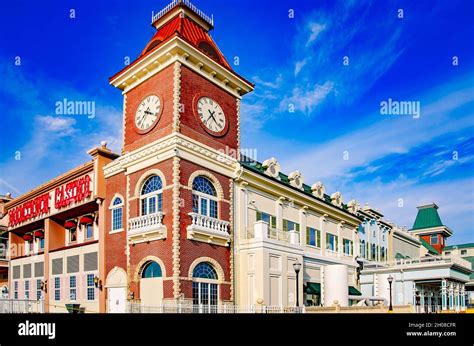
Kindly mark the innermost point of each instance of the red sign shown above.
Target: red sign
(29, 210)
(73, 192)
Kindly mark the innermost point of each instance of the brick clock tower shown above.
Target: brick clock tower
(169, 214)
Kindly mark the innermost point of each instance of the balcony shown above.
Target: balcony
(146, 228)
(260, 230)
(208, 229)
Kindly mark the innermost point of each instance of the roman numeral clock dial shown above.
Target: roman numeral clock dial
(148, 113)
(211, 115)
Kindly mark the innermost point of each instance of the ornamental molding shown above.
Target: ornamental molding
(215, 264)
(147, 174)
(318, 189)
(140, 266)
(238, 122)
(231, 241)
(176, 228)
(296, 179)
(353, 206)
(272, 168)
(167, 147)
(336, 199)
(207, 174)
(177, 96)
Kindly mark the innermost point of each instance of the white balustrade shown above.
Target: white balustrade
(145, 223)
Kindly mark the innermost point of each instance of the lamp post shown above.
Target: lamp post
(297, 268)
(390, 280)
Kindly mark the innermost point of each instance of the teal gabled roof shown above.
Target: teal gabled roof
(427, 217)
(430, 249)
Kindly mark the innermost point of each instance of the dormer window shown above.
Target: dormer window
(434, 239)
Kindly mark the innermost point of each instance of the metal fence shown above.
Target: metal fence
(135, 307)
(21, 306)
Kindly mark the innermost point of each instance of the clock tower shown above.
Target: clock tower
(169, 205)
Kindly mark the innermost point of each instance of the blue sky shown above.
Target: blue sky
(336, 133)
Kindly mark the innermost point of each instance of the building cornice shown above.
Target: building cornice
(169, 146)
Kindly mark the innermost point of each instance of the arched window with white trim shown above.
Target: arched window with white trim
(117, 214)
(205, 286)
(151, 196)
(204, 197)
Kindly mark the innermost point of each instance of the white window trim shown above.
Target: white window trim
(93, 272)
(74, 288)
(54, 288)
(112, 208)
(146, 197)
(202, 195)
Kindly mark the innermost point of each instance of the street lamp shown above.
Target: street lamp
(297, 268)
(390, 280)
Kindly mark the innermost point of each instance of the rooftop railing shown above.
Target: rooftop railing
(206, 18)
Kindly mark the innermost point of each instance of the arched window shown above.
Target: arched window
(205, 270)
(204, 197)
(117, 214)
(205, 287)
(151, 270)
(152, 195)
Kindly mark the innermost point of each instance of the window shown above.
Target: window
(41, 243)
(151, 270)
(90, 287)
(117, 214)
(331, 242)
(38, 289)
(447, 253)
(152, 196)
(204, 197)
(313, 237)
(72, 235)
(27, 289)
(374, 252)
(463, 252)
(209, 50)
(15, 290)
(204, 289)
(89, 231)
(72, 288)
(270, 219)
(57, 288)
(290, 226)
(362, 248)
(382, 253)
(347, 246)
(434, 239)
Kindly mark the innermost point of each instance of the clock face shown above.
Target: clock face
(148, 113)
(211, 115)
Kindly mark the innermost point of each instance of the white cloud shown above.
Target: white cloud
(315, 29)
(306, 100)
(62, 126)
(299, 65)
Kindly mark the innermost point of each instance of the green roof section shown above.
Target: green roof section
(354, 291)
(427, 217)
(460, 246)
(258, 167)
(313, 288)
(431, 249)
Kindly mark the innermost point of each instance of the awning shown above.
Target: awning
(313, 288)
(354, 291)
